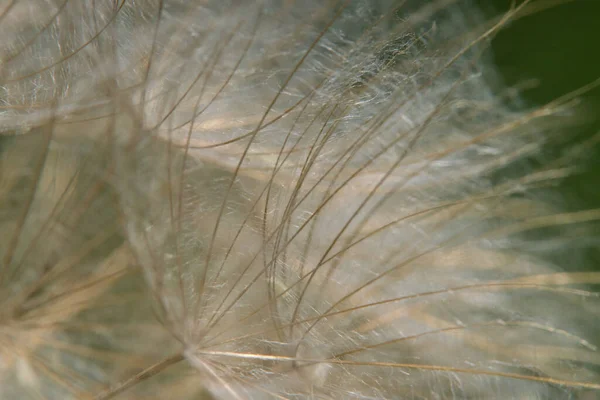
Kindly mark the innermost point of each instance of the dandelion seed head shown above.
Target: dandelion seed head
(319, 197)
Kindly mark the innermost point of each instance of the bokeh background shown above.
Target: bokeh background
(560, 47)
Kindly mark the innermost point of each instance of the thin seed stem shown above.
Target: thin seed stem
(145, 374)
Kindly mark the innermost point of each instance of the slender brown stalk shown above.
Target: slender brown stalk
(142, 376)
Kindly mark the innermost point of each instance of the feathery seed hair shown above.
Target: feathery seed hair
(283, 199)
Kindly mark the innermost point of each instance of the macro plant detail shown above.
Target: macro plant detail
(280, 199)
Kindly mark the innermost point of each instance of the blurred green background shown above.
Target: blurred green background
(560, 47)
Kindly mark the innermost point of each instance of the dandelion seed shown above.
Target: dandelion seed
(315, 194)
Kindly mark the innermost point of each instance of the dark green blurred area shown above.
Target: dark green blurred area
(560, 47)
